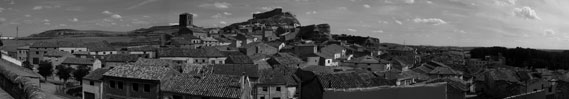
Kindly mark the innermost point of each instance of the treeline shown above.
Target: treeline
(526, 57)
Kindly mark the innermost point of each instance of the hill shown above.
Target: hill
(76, 33)
(275, 17)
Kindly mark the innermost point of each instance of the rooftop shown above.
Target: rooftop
(96, 74)
(122, 58)
(221, 86)
(80, 61)
(236, 69)
(140, 72)
(186, 52)
(351, 80)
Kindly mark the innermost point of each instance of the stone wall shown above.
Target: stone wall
(18, 86)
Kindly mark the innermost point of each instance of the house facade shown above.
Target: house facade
(23, 53)
(193, 56)
(92, 84)
(127, 82)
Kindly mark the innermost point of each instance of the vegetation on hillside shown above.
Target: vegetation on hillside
(526, 57)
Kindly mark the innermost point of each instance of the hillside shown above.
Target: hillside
(274, 17)
(76, 33)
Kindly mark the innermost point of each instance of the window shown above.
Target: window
(276, 97)
(262, 97)
(265, 89)
(44, 52)
(36, 60)
(112, 84)
(135, 86)
(146, 88)
(120, 85)
(37, 52)
(549, 89)
(278, 89)
(91, 83)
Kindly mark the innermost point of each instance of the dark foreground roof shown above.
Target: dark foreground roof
(220, 86)
(96, 74)
(140, 72)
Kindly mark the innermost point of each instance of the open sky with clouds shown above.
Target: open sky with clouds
(510, 23)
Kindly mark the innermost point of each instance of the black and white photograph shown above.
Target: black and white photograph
(284, 49)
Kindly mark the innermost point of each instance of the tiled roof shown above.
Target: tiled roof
(329, 51)
(157, 62)
(281, 75)
(82, 61)
(57, 53)
(140, 72)
(70, 44)
(365, 59)
(99, 46)
(142, 48)
(351, 80)
(239, 59)
(286, 59)
(220, 86)
(413, 74)
(258, 56)
(96, 74)
(43, 44)
(122, 57)
(236, 69)
(181, 41)
(19, 70)
(186, 52)
(445, 71)
(274, 44)
(453, 82)
(24, 47)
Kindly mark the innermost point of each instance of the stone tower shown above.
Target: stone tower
(186, 20)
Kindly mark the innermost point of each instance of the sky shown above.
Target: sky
(542, 24)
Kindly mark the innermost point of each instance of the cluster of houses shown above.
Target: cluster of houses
(260, 60)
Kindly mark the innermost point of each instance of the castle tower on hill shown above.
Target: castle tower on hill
(186, 20)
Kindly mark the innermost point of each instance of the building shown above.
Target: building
(56, 57)
(131, 81)
(205, 55)
(92, 84)
(77, 63)
(38, 49)
(188, 86)
(23, 53)
(248, 70)
(422, 91)
(276, 83)
(121, 59)
(330, 54)
(71, 47)
(285, 59)
(369, 63)
(258, 48)
(100, 49)
(186, 20)
(146, 51)
(445, 72)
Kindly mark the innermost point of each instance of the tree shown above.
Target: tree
(45, 69)
(26, 64)
(63, 72)
(81, 72)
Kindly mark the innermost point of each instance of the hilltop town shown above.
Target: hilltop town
(270, 56)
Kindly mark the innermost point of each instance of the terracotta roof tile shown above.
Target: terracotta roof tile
(140, 72)
(351, 80)
(96, 74)
(236, 69)
(122, 58)
(221, 86)
(81, 61)
(186, 52)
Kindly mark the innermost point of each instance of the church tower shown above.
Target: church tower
(186, 20)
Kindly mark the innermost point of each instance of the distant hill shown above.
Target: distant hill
(154, 31)
(76, 33)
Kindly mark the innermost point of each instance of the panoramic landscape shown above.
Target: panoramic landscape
(284, 49)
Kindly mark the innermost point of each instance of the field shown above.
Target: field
(12, 45)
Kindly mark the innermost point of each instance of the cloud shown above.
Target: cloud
(409, 1)
(548, 32)
(505, 2)
(270, 8)
(2, 19)
(378, 31)
(352, 30)
(342, 8)
(116, 16)
(2, 9)
(141, 4)
(219, 5)
(311, 12)
(173, 23)
(429, 2)
(526, 12)
(367, 6)
(218, 16)
(227, 13)
(46, 20)
(433, 21)
(223, 22)
(398, 22)
(107, 12)
(40, 7)
(27, 15)
(74, 20)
